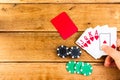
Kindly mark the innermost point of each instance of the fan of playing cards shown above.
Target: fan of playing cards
(93, 38)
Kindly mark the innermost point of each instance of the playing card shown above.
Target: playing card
(64, 25)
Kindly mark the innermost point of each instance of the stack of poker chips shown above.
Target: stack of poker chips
(64, 51)
(79, 68)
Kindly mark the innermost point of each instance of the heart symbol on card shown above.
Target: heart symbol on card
(85, 45)
(88, 42)
(96, 37)
(92, 38)
(104, 42)
(113, 46)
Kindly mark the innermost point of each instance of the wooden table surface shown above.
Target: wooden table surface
(28, 40)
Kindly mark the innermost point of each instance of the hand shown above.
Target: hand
(113, 58)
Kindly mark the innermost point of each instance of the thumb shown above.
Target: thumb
(111, 52)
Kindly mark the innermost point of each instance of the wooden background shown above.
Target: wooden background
(28, 40)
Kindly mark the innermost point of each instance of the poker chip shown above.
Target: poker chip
(75, 52)
(62, 51)
(70, 67)
(86, 69)
(78, 67)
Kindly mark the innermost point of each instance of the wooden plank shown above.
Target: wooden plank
(59, 1)
(36, 17)
(35, 47)
(53, 71)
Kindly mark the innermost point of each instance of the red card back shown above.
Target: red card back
(64, 25)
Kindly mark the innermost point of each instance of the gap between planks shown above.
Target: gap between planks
(50, 61)
(59, 1)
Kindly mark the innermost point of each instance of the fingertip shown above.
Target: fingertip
(104, 47)
(107, 61)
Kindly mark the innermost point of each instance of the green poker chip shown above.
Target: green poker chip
(78, 67)
(86, 69)
(70, 67)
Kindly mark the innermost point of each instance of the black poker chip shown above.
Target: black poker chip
(75, 52)
(62, 51)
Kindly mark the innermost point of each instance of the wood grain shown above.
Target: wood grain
(36, 17)
(53, 71)
(59, 1)
(28, 40)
